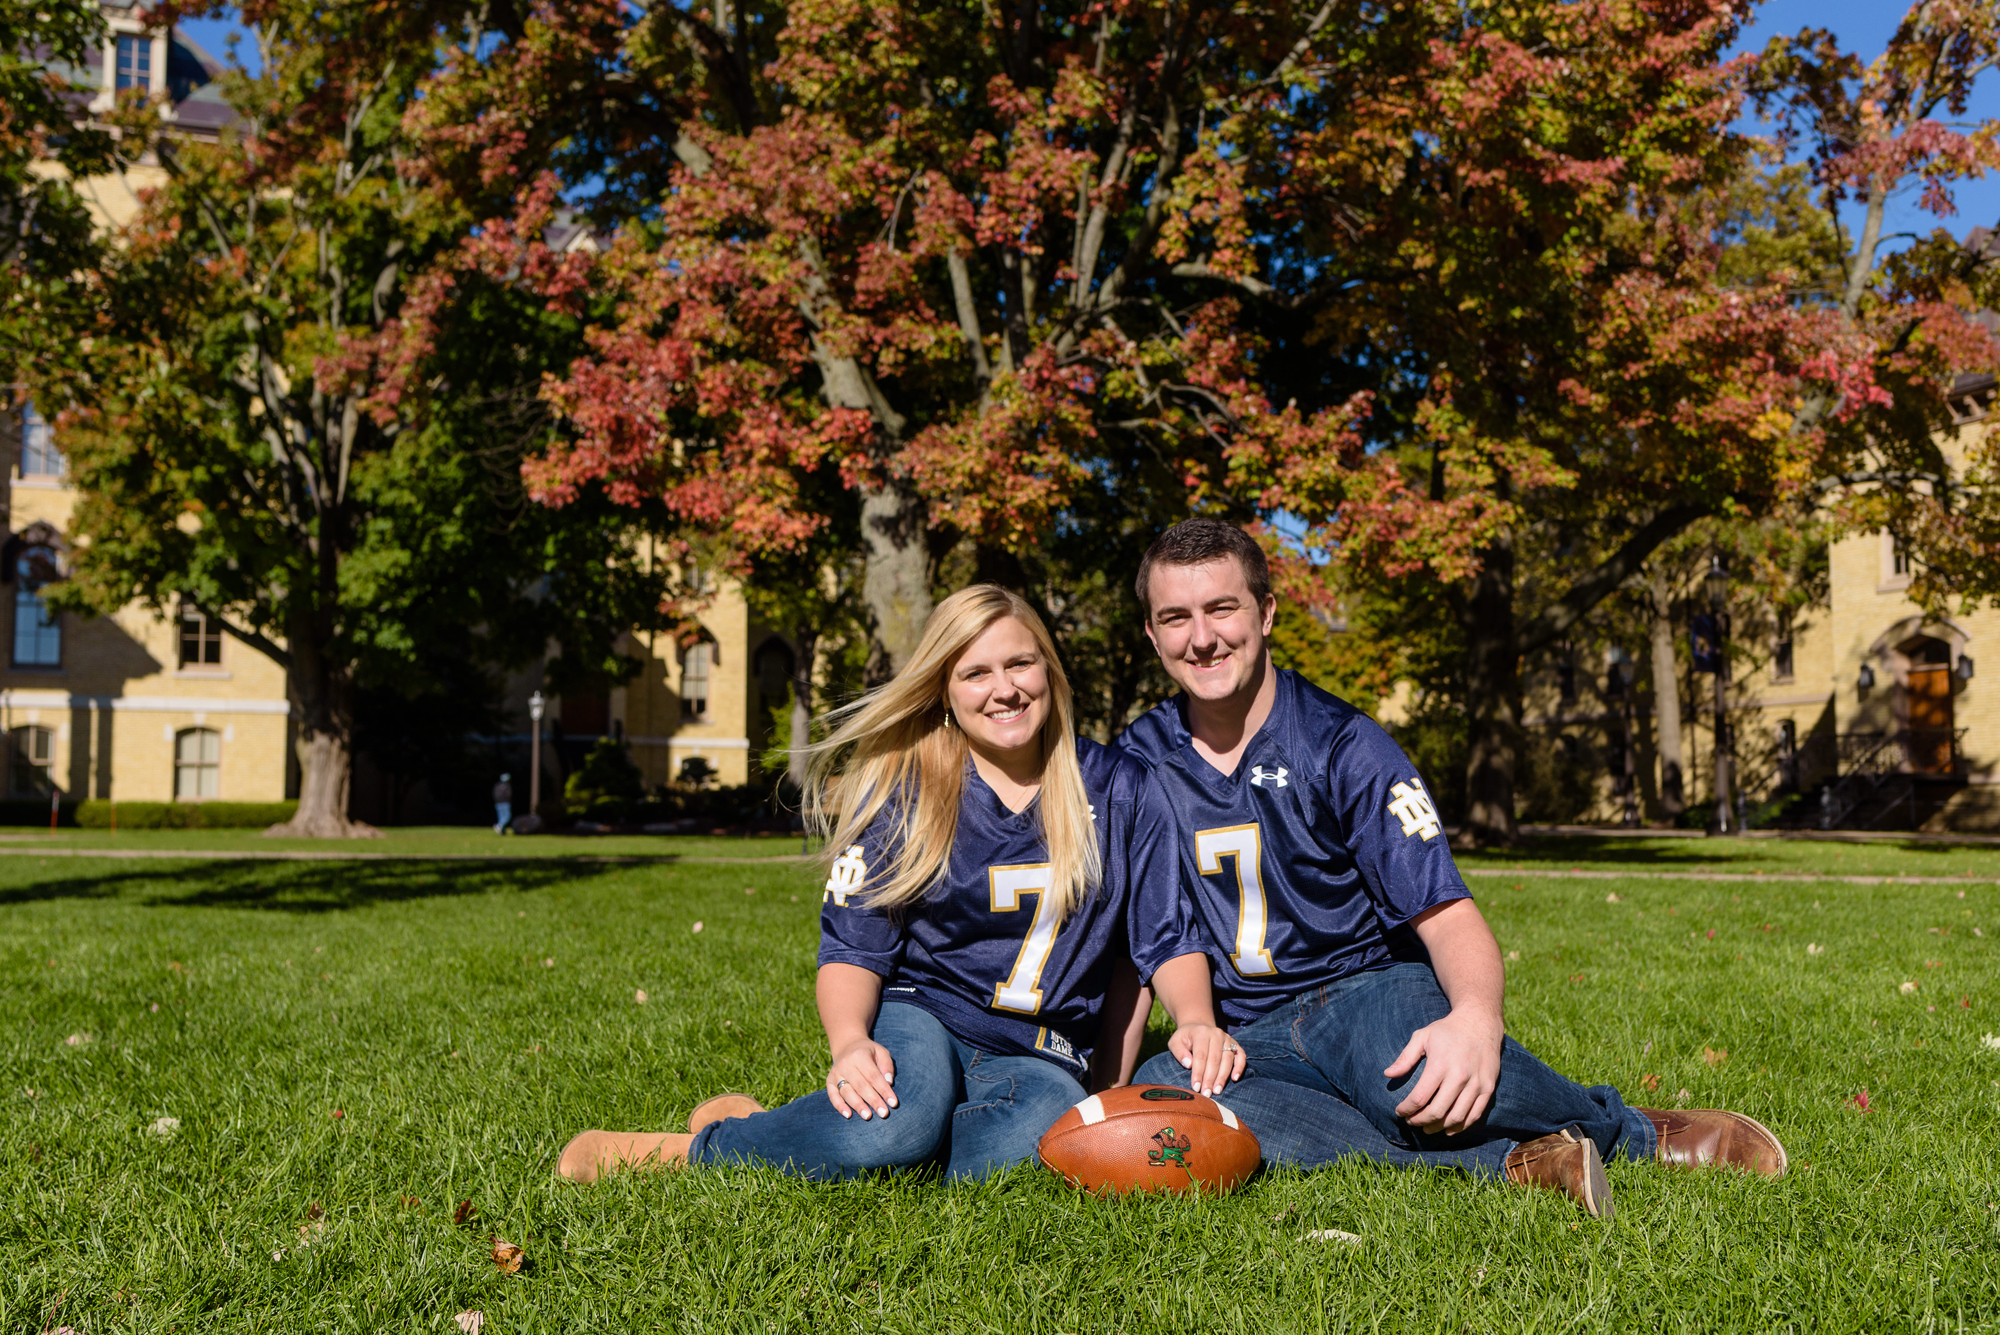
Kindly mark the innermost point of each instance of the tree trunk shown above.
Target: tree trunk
(1493, 701)
(807, 645)
(1666, 698)
(323, 695)
(895, 578)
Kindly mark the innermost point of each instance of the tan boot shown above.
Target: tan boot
(1567, 1162)
(1691, 1137)
(719, 1107)
(596, 1153)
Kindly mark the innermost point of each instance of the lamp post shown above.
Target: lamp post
(1717, 583)
(535, 704)
(1625, 673)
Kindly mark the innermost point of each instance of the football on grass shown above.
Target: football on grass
(1150, 1138)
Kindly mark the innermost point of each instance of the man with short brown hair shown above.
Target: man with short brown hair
(1348, 959)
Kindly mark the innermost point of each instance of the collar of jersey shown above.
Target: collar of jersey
(983, 793)
(1198, 764)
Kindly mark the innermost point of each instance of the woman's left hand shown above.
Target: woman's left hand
(1211, 1056)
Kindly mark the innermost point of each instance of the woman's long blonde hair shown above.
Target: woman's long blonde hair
(892, 752)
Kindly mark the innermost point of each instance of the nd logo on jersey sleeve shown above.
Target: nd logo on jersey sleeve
(850, 870)
(1410, 804)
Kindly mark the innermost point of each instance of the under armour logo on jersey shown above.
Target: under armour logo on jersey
(1276, 777)
(849, 871)
(1412, 806)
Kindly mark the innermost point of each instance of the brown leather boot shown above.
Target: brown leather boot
(1567, 1162)
(1690, 1137)
(596, 1153)
(719, 1107)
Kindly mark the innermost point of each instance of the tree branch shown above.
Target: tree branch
(1555, 619)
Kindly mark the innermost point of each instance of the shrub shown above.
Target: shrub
(184, 815)
(606, 784)
(35, 811)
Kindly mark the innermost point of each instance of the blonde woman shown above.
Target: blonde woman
(983, 864)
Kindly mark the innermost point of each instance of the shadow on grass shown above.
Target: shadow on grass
(1568, 849)
(301, 887)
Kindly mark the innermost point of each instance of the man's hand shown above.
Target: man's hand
(1461, 1056)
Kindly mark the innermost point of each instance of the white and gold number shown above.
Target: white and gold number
(1253, 915)
(1021, 990)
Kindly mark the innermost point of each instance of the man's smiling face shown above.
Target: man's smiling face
(1207, 627)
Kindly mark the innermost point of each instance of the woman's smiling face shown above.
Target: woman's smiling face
(998, 689)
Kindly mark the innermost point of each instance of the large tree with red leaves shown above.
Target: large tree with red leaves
(1442, 281)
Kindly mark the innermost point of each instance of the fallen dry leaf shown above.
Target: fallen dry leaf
(1860, 1100)
(1334, 1235)
(408, 1202)
(1714, 1056)
(1907, 988)
(1650, 1081)
(640, 996)
(470, 1322)
(1682, 1097)
(78, 1040)
(465, 1211)
(338, 1114)
(1611, 898)
(1815, 948)
(163, 1128)
(695, 928)
(507, 1256)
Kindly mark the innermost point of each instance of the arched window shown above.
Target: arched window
(695, 666)
(197, 764)
(37, 630)
(32, 753)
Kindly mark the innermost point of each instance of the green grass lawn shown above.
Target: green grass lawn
(434, 841)
(464, 1019)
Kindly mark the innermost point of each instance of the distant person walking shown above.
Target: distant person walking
(503, 804)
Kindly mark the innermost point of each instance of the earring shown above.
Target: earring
(947, 720)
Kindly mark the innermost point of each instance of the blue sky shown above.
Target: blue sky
(1863, 25)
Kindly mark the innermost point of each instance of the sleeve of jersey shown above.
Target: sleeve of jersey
(849, 931)
(1159, 919)
(1391, 825)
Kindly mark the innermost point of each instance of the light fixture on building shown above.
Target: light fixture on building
(1866, 678)
(1717, 580)
(1965, 667)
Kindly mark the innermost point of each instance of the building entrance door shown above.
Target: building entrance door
(1927, 693)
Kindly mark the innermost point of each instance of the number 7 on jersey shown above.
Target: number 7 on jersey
(1021, 990)
(1253, 916)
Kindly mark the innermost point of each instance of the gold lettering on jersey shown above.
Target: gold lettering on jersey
(1410, 804)
(850, 869)
(1253, 913)
(1021, 990)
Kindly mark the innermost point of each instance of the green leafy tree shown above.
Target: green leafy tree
(261, 427)
(45, 145)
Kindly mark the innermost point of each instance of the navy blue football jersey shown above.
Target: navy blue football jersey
(1304, 864)
(982, 950)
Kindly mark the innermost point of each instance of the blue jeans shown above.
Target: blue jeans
(503, 814)
(973, 1112)
(1314, 1092)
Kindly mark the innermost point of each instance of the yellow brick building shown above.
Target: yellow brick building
(1873, 710)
